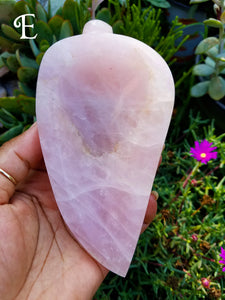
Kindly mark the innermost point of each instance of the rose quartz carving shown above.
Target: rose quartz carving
(104, 104)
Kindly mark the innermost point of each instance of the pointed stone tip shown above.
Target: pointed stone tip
(97, 26)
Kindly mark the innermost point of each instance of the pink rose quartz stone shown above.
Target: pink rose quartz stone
(104, 103)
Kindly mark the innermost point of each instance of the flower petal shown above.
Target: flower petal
(222, 262)
(203, 148)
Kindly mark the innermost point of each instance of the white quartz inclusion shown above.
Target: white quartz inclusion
(104, 104)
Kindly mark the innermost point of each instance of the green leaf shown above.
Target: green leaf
(59, 11)
(203, 70)
(55, 24)
(210, 62)
(25, 89)
(161, 4)
(222, 17)
(34, 47)
(39, 58)
(44, 45)
(10, 104)
(104, 14)
(217, 88)
(2, 64)
(213, 52)
(27, 74)
(10, 32)
(213, 23)
(32, 3)
(44, 32)
(3, 58)
(16, 46)
(66, 30)
(12, 63)
(5, 44)
(6, 55)
(6, 10)
(221, 56)
(25, 61)
(206, 44)
(118, 27)
(11, 133)
(71, 12)
(19, 8)
(222, 71)
(200, 89)
(41, 14)
(20, 104)
(27, 104)
(6, 118)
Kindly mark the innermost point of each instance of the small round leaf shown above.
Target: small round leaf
(203, 70)
(200, 89)
(27, 74)
(206, 44)
(217, 88)
(10, 32)
(213, 23)
(66, 30)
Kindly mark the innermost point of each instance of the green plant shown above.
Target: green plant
(212, 51)
(6, 8)
(144, 24)
(182, 246)
(23, 57)
(160, 3)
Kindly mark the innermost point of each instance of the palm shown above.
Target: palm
(39, 258)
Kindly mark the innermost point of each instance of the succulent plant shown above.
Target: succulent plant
(160, 3)
(144, 24)
(212, 68)
(22, 57)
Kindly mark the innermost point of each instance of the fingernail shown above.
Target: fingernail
(156, 195)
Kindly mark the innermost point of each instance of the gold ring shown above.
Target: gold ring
(8, 176)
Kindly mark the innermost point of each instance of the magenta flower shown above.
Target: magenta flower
(206, 282)
(194, 237)
(203, 151)
(223, 258)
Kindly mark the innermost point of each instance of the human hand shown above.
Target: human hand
(39, 258)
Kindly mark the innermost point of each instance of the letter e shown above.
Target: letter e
(18, 24)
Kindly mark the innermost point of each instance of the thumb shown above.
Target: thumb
(17, 157)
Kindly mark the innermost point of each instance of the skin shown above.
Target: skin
(39, 258)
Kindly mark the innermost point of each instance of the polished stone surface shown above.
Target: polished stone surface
(104, 104)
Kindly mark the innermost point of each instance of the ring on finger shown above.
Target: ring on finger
(8, 176)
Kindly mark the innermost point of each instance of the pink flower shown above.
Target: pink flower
(223, 258)
(194, 237)
(203, 151)
(205, 282)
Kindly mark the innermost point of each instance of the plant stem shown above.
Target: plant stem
(191, 174)
(221, 39)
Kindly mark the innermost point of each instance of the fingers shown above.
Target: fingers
(17, 157)
(151, 210)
